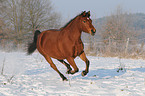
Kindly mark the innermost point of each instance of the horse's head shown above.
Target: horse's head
(86, 23)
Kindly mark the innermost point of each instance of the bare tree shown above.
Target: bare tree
(41, 15)
(116, 31)
(22, 17)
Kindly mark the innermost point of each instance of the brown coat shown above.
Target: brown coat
(65, 43)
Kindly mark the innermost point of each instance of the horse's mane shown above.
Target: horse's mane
(70, 21)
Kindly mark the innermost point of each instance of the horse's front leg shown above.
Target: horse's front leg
(73, 64)
(84, 58)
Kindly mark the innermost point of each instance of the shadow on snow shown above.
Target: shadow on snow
(138, 69)
(36, 71)
(100, 74)
(92, 75)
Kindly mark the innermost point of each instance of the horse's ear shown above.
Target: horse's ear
(83, 14)
(88, 14)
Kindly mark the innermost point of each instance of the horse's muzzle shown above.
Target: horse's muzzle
(93, 32)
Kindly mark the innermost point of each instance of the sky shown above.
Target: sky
(99, 8)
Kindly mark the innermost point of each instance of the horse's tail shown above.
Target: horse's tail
(32, 46)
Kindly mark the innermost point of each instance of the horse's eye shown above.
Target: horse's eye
(84, 21)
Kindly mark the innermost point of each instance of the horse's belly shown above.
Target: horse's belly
(54, 52)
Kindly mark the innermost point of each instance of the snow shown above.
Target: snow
(32, 76)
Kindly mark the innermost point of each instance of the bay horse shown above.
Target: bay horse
(64, 43)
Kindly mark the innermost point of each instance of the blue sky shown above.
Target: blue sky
(98, 8)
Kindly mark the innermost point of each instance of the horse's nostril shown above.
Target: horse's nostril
(93, 31)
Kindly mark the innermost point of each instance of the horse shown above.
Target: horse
(64, 43)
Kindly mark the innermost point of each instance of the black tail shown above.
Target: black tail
(32, 46)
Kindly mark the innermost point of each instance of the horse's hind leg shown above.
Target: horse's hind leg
(84, 58)
(67, 65)
(49, 60)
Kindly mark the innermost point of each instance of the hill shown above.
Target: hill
(138, 20)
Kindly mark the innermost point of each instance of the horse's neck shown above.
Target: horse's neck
(74, 31)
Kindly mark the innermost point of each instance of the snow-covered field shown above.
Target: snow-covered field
(32, 76)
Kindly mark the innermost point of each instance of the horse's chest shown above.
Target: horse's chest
(78, 48)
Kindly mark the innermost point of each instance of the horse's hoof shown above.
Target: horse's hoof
(84, 73)
(68, 72)
(65, 79)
